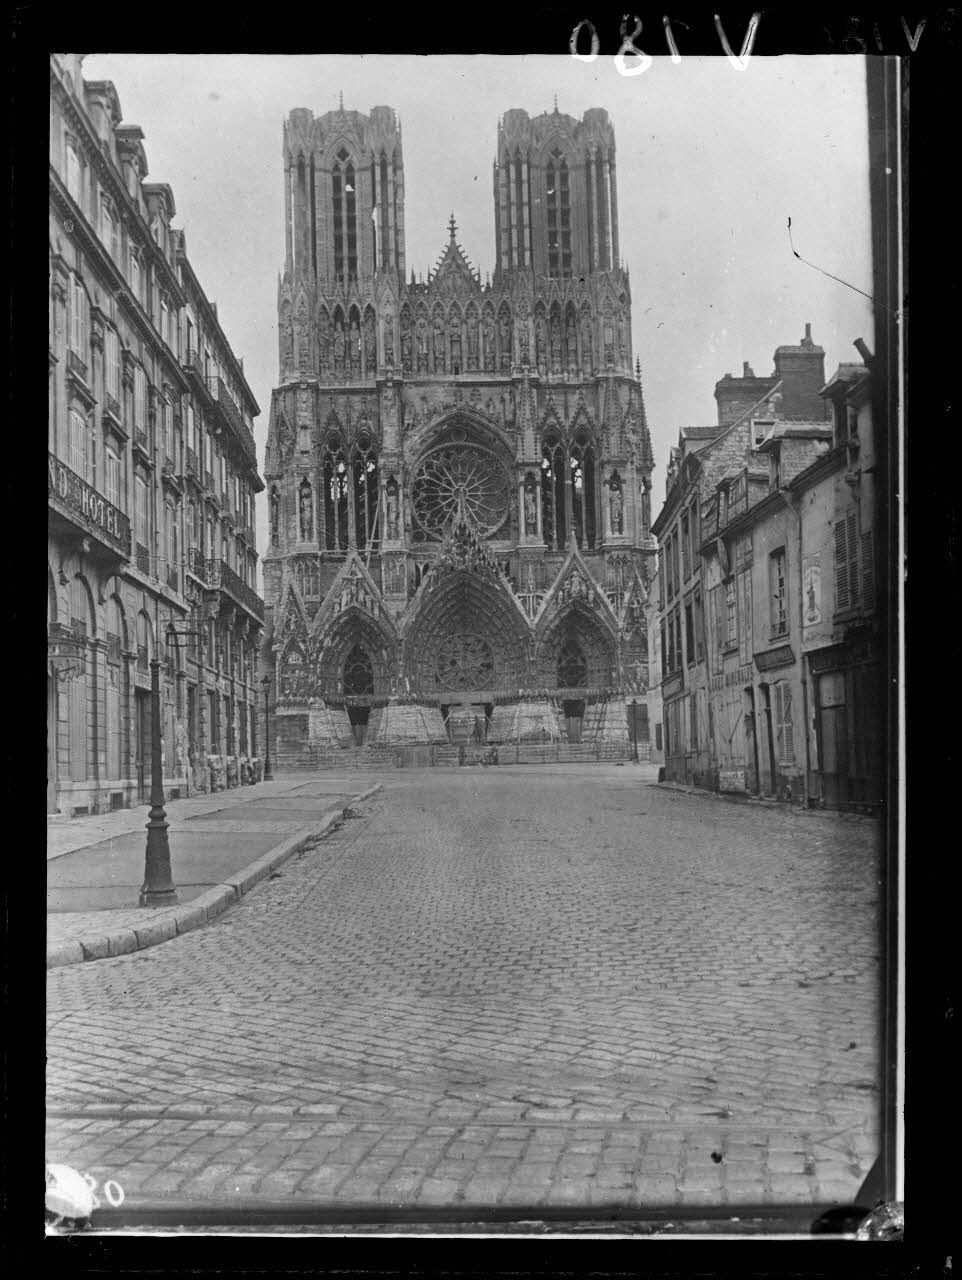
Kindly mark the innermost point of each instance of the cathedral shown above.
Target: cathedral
(458, 470)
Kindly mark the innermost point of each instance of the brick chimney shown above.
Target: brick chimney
(802, 371)
(735, 396)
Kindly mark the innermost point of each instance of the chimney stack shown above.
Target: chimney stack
(862, 349)
(802, 371)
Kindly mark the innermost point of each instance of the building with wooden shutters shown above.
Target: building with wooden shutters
(779, 693)
(152, 474)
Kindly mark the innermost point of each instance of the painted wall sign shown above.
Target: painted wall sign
(812, 589)
(731, 780)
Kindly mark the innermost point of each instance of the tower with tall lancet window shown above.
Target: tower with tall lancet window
(458, 469)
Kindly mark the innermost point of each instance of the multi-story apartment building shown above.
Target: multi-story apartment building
(458, 469)
(151, 481)
(711, 464)
(769, 631)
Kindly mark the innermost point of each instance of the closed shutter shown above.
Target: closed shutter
(851, 523)
(846, 562)
(868, 570)
(744, 617)
(785, 728)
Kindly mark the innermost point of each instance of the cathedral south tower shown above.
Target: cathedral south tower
(458, 471)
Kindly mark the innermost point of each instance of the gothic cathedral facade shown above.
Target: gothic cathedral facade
(458, 472)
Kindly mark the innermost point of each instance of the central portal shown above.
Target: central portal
(467, 721)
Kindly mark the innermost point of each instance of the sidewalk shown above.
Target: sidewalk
(220, 847)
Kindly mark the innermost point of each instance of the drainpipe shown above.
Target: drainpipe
(796, 512)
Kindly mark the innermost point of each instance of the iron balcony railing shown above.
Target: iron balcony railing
(76, 365)
(197, 563)
(193, 468)
(112, 405)
(143, 558)
(221, 575)
(80, 502)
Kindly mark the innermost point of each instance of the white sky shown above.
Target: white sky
(712, 161)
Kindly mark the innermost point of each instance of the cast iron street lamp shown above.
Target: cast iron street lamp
(268, 775)
(634, 728)
(158, 889)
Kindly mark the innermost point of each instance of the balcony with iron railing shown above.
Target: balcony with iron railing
(197, 563)
(72, 502)
(143, 558)
(193, 465)
(228, 406)
(112, 407)
(223, 577)
(194, 367)
(76, 365)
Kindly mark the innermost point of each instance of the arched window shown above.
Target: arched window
(582, 485)
(572, 665)
(384, 243)
(504, 337)
(564, 201)
(364, 459)
(354, 342)
(275, 516)
(551, 192)
(358, 672)
(344, 215)
(554, 465)
(144, 642)
(335, 496)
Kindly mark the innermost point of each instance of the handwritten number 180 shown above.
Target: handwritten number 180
(630, 60)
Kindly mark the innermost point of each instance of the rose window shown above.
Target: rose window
(464, 661)
(457, 472)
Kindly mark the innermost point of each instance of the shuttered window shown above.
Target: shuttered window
(868, 569)
(745, 617)
(846, 562)
(78, 443)
(854, 564)
(784, 725)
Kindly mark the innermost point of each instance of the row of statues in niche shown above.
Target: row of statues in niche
(305, 512)
(392, 509)
(479, 344)
(616, 505)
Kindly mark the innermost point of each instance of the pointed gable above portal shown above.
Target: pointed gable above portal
(575, 585)
(633, 606)
(290, 628)
(353, 587)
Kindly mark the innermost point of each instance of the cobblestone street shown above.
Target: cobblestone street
(509, 985)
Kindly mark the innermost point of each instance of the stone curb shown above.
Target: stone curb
(765, 802)
(207, 906)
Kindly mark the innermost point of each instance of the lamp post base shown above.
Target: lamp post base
(158, 888)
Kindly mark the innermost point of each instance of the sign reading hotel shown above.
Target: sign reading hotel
(812, 589)
(86, 506)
